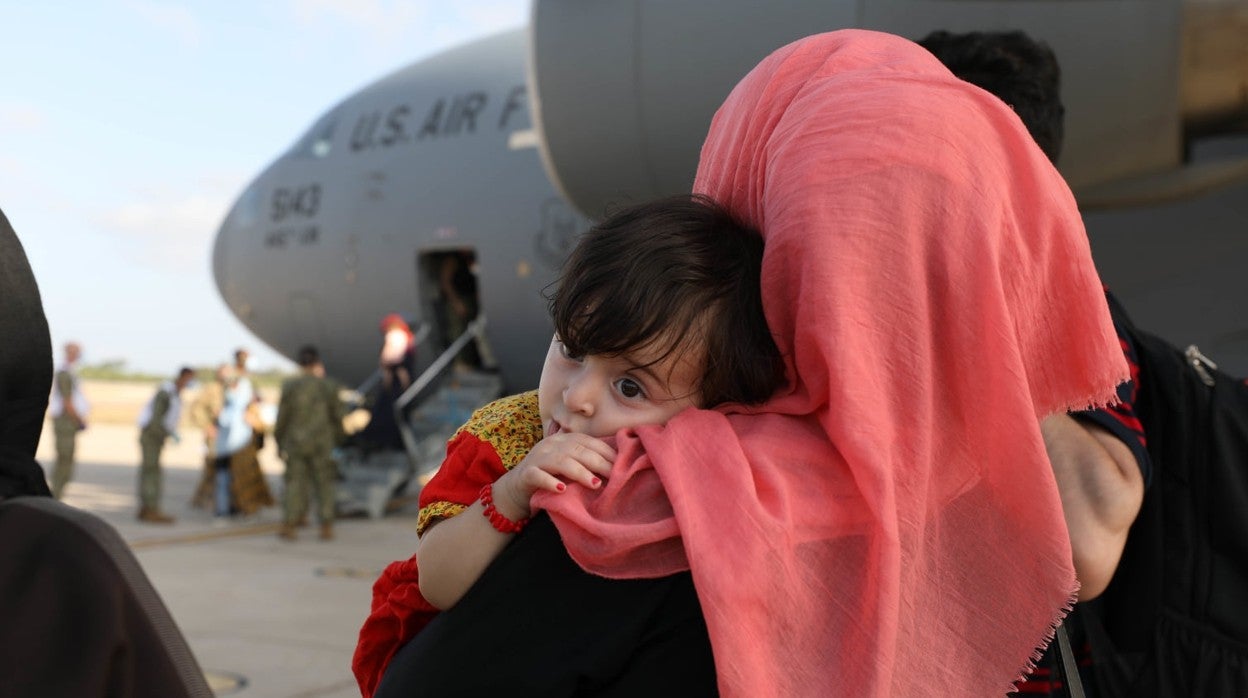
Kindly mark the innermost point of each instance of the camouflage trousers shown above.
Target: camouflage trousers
(150, 475)
(304, 470)
(65, 431)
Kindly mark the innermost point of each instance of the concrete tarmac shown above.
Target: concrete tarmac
(266, 618)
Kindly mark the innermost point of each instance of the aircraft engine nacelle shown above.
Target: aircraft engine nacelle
(624, 91)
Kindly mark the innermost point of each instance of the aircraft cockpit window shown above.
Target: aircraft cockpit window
(319, 141)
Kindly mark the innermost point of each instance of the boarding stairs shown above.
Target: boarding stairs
(437, 403)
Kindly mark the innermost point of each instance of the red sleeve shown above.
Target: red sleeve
(398, 610)
(398, 613)
(470, 465)
(497, 437)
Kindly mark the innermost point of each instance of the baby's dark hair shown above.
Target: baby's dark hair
(665, 273)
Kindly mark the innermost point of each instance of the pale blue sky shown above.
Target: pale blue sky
(128, 127)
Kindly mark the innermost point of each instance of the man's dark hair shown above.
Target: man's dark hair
(661, 274)
(308, 356)
(1021, 71)
(186, 371)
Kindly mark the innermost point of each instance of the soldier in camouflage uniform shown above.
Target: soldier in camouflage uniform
(309, 425)
(68, 409)
(158, 422)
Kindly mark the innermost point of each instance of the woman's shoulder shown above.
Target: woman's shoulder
(511, 425)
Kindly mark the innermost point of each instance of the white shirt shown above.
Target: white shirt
(171, 415)
(55, 405)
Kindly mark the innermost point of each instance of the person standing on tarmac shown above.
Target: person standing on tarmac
(158, 422)
(68, 409)
(203, 416)
(309, 426)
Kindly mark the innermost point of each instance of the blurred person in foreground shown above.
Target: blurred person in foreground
(157, 423)
(309, 426)
(26, 374)
(68, 408)
(80, 617)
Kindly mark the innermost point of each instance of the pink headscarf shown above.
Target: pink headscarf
(888, 525)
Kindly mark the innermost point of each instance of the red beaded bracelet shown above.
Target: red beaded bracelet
(497, 520)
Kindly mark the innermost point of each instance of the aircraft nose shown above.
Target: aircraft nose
(240, 223)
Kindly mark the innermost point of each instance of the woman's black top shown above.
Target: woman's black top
(536, 624)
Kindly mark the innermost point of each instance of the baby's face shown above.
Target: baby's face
(599, 395)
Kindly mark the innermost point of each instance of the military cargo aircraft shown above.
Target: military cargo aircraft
(505, 148)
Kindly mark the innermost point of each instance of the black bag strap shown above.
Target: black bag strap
(1068, 666)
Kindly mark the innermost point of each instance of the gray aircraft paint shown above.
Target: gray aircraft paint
(319, 248)
(500, 144)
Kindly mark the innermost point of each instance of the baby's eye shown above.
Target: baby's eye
(629, 388)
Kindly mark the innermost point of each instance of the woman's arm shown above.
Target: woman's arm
(1101, 489)
(558, 630)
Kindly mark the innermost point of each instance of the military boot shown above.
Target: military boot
(286, 532)
(154, 516)
(327, 531)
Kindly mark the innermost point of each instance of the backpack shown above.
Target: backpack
(1174, 620)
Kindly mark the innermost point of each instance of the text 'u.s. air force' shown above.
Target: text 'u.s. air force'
(452, 115)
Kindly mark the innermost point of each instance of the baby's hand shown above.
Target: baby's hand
(563, 457)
